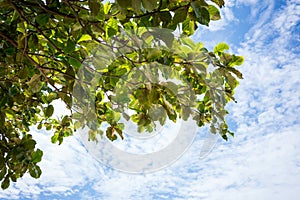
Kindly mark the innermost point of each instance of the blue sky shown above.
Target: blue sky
(261, 162)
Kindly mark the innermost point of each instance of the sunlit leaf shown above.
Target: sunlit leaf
(85, 37)
(221, 47)
(214, 12)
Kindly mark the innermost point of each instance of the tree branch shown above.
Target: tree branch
(47, 9)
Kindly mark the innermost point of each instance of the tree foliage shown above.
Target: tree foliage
(43, 45)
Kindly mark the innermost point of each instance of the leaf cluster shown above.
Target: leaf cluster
(43, 45)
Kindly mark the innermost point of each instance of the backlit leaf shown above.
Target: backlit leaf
(85, 37)
(236, 60)
(221, 47)
(214, 12)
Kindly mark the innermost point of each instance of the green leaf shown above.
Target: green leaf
(165, 35)
(213, 129)
(225, 137)
(15, 16)
(230, 133)
(186, 111)
(153, 54)
(120, 126)
(188, 41)
(52, 96)
(95, 6)
(188, 27)
(136, 5)
(70, 73)
(77, 125)
(13, 177)
(40, 126)
(54, 138)
(119, 131)
(75, 63)
(180, 15)
(3, 169)
(220, 3)
(49, 111)
(166, 18)
(236, 72)
(107, 7)
(124, 3)
(236, 60)
(35, 83)
(67, 99)
(35, 171)
(149, 5)
(37, 156)
(70, 47)
(85, 37)
(111, 27)
(23, 73)
(29, 143)
(113, 117)
(232, 82)
(221, 47)
(110, 134)
(201, 13)
(214, 12)
(5, 183)
(33, 41)
(43, 19)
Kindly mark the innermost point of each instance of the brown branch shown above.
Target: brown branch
(39, 30)
(11, 41)
(158, 11)
(81, 24)
(30, 59)
(47, 9)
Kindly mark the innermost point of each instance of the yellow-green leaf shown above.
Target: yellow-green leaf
(214, 13)
(85, 37)
(221, 47)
